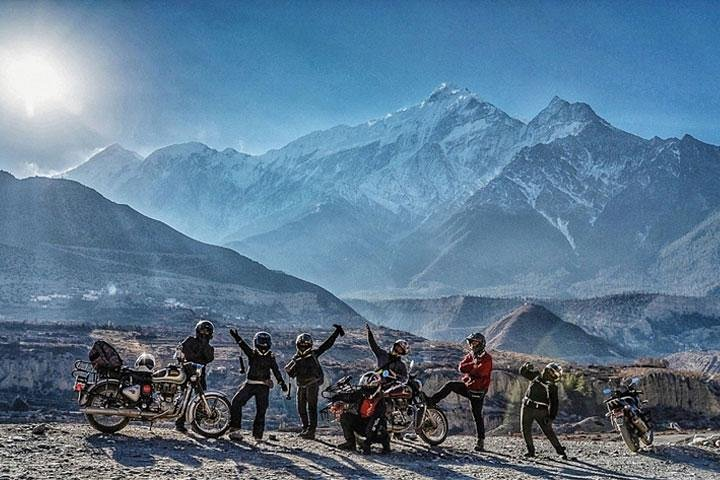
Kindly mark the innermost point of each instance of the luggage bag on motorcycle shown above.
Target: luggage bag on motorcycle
(104, 358)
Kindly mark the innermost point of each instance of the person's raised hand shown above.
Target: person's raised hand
(236, 336)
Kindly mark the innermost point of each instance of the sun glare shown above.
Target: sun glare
(35, 81)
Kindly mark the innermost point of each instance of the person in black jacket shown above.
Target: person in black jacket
(392, 359)
(540, 404)
(197, 349)
(261, 361)
(362, 412)
(308, 373)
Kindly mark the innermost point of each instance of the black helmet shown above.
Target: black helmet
(204, 328)
(262, 341)
(401, 347)
(477, 342)
(304, 342)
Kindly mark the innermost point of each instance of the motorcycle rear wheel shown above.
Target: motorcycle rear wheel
(98, 397)
(631, 440)
(434, 428)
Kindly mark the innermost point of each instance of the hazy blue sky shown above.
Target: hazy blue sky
(255, 75)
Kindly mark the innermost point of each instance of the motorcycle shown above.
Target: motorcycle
(407, 410)
(627, 415)
(110, 400)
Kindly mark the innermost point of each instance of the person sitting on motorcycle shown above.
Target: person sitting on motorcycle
(308, 373)
(362, 412)
(197, 349)
(390, 360)
(475, 368)
(540, 404)
(261, 361)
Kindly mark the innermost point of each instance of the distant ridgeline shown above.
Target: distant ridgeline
(603, 329)
(69, 254)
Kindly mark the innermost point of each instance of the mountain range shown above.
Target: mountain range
(67, 253)
(633, 324)
(451, 195)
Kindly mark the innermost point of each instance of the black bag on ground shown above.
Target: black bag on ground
(104, 357)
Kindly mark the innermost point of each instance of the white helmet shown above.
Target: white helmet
(552, 372)
(370, 380)
(145, 362)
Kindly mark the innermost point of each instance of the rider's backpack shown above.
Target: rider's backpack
(104, 357)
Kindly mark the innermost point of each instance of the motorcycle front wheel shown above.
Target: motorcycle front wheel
(215, 422)
(631, 440)
(104, 395)
(434, 427)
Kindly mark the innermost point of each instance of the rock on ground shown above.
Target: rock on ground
(67, 450)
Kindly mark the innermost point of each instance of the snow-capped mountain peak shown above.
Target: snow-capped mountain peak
(107, 168)
(180, 150)
(445, 91)
(560, 119)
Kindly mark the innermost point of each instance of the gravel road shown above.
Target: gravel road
(75, 451)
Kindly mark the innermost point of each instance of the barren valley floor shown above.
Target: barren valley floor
(72, 450)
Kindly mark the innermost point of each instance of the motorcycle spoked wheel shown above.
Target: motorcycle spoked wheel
(100, 396)
(630, 438)
(434, 427)
(215, 423)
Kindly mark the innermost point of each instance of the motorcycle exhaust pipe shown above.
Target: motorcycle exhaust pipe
(121, 412)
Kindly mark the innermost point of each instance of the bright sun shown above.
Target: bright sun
(35, 80)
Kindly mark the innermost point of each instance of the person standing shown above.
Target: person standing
(305, 368)
(475, 369)
(197, 349)
(390, 359)
(261, 361)
(540, 404)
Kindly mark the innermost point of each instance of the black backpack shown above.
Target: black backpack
(104, 357)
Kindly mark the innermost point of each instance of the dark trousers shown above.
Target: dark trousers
(477, 399)
(307, 401)
(246, 392)
(528, 415)
(352, 424)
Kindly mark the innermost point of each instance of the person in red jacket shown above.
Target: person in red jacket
(475, 368)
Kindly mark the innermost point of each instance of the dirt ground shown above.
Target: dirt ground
(75, 451)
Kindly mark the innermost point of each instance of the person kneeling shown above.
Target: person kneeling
(363, 413)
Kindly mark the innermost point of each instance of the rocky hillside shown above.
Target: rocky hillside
(35, 363)
(705, 362)
(66, 252)
(640, 324)
(536, 330)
